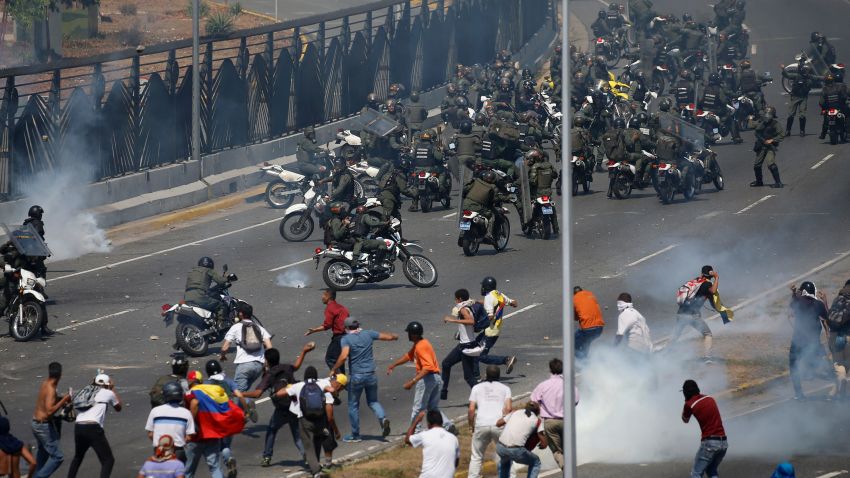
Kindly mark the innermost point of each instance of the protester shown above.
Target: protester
(216, 417)
(440, 449)
(807, 355)
(839, 329)
(489, 401)
(252, 340)
(216, 376)
(784, 470)
(277, 377)
(164, 462)
(549, 394)
(691, 298)
(494, 306)
(172, 420)
(462, 315)
(335, 315)
(588, 314)
(631, 324)
(179, 369)
(357, 348)
(88, 430)
(45, 426)
(12, 450)
(713, 437)
(518, 440)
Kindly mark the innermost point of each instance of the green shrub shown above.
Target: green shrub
(235, 9)
(203, 9)
(128, 9)
(219, 24)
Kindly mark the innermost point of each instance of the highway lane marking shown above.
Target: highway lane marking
(755, 204)
(828, 475)
(86, 322)
(164, 251)
(603, 2)
(287, 266)
(820, 163)
(753, 49)
(646, 258)
(450, 215)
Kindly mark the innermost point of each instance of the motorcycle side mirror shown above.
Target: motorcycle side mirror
(224, 268)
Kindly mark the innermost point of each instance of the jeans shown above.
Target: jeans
(709, 456)
(583, 339)
(481, 439)
(359, 383)
(426, 396)
(485, 356)
(808, 358)
(467, 362)
(281, 417)
(698, 324)
(91, 435)
(246, 374)
(49, 456)
(318, 436)
(210, 450)
(517, 454)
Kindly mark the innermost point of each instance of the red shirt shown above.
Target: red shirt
(704, 408)
(335, 315)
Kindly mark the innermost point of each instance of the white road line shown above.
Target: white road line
(85, 322)
(164, 251)
(755, 204)
(603, 2)
(820, 163)
(290, 265)
(828, 475)
(450, 215)
(524, 309)
(753, 49)
(646, 258)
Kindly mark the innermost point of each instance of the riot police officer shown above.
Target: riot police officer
(833, 95)
(342, 184)
(600, 26)
(541, 175)
(202, 286)
(415, 114)
(480, 195)
(307, 154)
(684, 91)
(768, 134)
(429, 157)
(467, 146)
(715, 99)
(801, 85)
(34, 216)
(822, 48)
(750, 85)
(393, 184)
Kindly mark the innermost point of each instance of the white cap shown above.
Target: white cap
(101, 379)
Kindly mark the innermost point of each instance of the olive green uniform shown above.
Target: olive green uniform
(766, 153)
(198, 292)
(393, 184)
(479, 196)
(430, 158)
(541, 176)
(342, 187)
(415, 115)
(467, 148)
(306, 157)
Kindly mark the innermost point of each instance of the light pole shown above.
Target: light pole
(196, 86)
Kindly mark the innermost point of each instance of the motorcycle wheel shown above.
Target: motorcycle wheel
(292, 231)
(833, 138)
(425, 202)
(666, 192)
(280, 194)
(420, 271)
(546, 228)
(359, 190)
(786, 84)
(718, 181)
(470, 245)
(29, 324)
(575, 185)
(689, 190)
(190, 340)
(338, 275)
(502, 233)
(622, 188)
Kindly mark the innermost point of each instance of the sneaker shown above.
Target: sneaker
(453, 430)
(266, 461)
(707, 360)
(385, 427)
(444, 394)
(327, 463)
(351, 439)
(252, 411)
(231, 468)
(510, 363)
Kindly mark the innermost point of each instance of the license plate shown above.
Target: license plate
(465, 226)
(547, 210)
(715, 130)
(421, 185)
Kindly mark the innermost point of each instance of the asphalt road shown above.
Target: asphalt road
(108, 308)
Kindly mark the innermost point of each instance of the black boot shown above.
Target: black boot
(788, 124)
(774, 171)
(823, 130)
(758, 182)
(802, 127)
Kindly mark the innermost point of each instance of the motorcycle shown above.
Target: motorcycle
(671, 180)
(715, 129)
(367, 176)
(352, 145)
(27, 307)
(789, 72)
(473, 230)
(582, 174)
(835, 126)
(198, 328)
(623, 175)
(710, 170)
(428, 183)
(542, 214)
(339, 274)
(297, 223)
(282, 190)
(609, 48)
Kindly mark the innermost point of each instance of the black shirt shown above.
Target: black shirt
(693, 305)
(807, 315)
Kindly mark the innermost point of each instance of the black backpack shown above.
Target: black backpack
(281, 378)
(312, 400)
(839, 313)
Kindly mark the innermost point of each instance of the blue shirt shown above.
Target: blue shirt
(360, 358)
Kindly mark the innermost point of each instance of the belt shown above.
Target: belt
(41, 421)
(714, 438)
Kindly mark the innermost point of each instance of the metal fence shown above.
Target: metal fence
(124, 112)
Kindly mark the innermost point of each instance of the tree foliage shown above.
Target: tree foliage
(27, 12)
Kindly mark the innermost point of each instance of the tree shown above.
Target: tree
(27, 12)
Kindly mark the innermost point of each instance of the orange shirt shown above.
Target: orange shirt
(587, 310)
(424, 357)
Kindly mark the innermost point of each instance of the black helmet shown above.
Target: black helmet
(640, 75)
(809, 287)
(598, 97)
(206, 262)
(619, 123)
(337, 208)
(489, 176)
(579, 121)
(714, 79)
(372, 98)
(535, 155)
(816, 37)
(829, 79)
(488, 284)
(526, 73)
(451, 89)
(505, 83)
(414, 96)
(480, 119)
(642, 119)
(309, 131)
(36, 212)
(665, 104)
(466, 127)
(745, 65)
(415, 328)
(213, 367)
(172, 392)
(461, 102)
(340, 163)
(602, 15)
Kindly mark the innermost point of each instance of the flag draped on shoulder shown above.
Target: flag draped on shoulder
(218, 416)
(726, 313)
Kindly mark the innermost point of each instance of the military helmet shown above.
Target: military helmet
(619, 123)
(770, 112)
(579, 121)
(425, 136)
(714, 79)
(480, 119)
(309, 131)
(816, 37)
(340, 163)
(36, 212)
(535, 155)
(451, 89)
(372, 98)
(489, 176)
(461, 102)
(665, 104)
(505, 83)
(829, 79)
(642, 119)
(391, 104)
(745, 65)
(603, 15)
(206, 262)
(337, 208)
(466, 127)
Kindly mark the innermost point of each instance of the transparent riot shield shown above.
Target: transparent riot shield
(464, 175)
(27, 240)
(376, 123)
(691, 135)
(524, 190)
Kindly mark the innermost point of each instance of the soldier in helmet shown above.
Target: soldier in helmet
(801, 85)
(480, 195)
(393, 184)
(715, 99)
(429, 157)
(541, 176)
(749, 83)
(415, 114)
(768, 134)
(34, 217)
(396, 112)
(307, 154)
(202, 286)
(467, 146)
(833, 95)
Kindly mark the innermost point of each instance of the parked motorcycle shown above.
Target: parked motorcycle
(473, 230)
(282, 190)
(835, 126)
(709, 170)
(339, 274)
(542, 213)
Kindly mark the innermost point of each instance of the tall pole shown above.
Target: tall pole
(566, 253)
(196, 86)
(276, 18)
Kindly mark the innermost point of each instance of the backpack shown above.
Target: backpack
(613, 145)
(156, 390)
(312, 400)
(252, 337)
(688, 291)
(839, 312)
(577, 140)
(504, 129)
(85, 398)
(667, 148)
(281, 378)
(480, 317)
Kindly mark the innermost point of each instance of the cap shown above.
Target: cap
(195, 376)
(706, 270)
(351, 323)
(341, 379)
(101, 379)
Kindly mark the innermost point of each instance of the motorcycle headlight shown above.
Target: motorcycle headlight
(30, 282)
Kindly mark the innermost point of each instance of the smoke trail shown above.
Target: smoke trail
(292, 278)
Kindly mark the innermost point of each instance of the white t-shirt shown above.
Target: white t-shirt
(466, 333)
(103, 399)
(490, 398)
(234, 336)
(518, 427)
(170, 419)
(632, 325)
(294, 391)
(440, 450)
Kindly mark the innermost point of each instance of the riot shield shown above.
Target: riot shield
(27, 240)
(377, 123)
(464, 175)
(691, 135)
(524, 190)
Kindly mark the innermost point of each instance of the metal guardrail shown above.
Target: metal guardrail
(127, 111)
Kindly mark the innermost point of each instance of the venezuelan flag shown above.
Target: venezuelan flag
(218, 416)
(725, 312)
(499, 310)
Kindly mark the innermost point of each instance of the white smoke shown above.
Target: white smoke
(292, 278)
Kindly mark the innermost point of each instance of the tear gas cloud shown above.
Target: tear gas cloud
(292, 278)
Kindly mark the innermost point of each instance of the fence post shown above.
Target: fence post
(242, 58)
(345, 34)
(172, 72)
(320, 36)
(7, 123)
(296, 44)
(368, 28)
(206, 97)
(54, 99)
